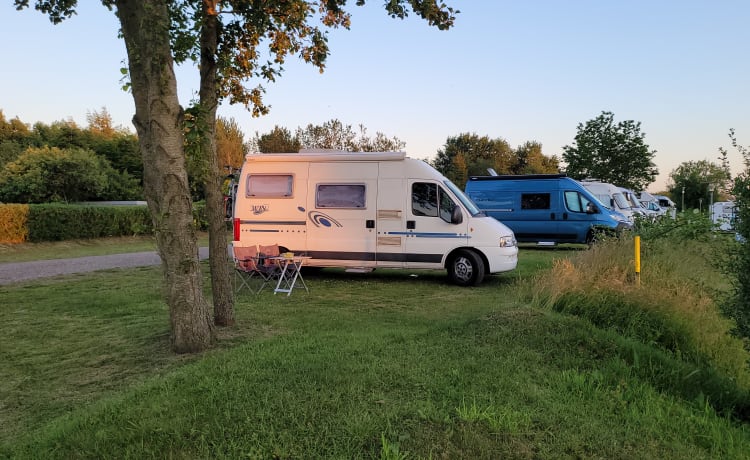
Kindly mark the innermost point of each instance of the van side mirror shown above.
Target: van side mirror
(456, 215)
(591, 209)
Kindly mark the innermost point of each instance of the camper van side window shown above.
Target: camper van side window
(575, 202)
(269, 185)
(535, 201)
(446, 206)
(424, 199)
(340, 196)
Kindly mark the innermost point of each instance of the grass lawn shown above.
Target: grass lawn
(391, 365)
(26, 252)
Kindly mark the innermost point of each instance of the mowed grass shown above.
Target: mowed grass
(392, 364)
(26, 252)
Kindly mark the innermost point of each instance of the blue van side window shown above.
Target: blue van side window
(575, 202)
(535, 201)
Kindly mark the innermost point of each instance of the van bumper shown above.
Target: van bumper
(501, 259)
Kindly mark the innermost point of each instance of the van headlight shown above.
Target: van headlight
(507, 241)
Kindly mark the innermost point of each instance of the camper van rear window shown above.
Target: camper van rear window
(340, 196)
(535, 201)
(269, 185)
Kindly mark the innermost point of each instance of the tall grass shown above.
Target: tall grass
(673, 307)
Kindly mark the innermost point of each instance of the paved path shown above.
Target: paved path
(23, 271)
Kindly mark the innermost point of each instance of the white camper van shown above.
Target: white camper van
(363, 211)
(611, 196)
(723, 215)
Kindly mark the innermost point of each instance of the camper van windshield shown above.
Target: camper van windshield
(622, 203)
(465, 200)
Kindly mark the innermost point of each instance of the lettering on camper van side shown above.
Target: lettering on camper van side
(259, 208)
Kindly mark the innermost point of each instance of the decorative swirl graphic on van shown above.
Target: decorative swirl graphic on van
(322, 220)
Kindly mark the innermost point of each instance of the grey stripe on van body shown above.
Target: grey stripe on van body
(373, 257)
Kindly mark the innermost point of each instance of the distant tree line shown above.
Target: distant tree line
(331, 135)
(469, 154)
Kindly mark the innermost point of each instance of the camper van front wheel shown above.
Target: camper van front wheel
(466, 268)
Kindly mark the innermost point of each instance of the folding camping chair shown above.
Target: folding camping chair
(245, 267)
(268, 264)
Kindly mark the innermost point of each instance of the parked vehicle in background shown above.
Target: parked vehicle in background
(362, 211)
(545, 208)
(654, 208)
(723, 215)
(639, 211)
(611, 196)
(669, 205)
(650, 202)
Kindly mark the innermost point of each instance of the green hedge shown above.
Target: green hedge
(56, 222)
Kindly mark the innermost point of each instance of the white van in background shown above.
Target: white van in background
(639, 211)
(362, 211)
(611, 196)
(651, 203)
(723, 215)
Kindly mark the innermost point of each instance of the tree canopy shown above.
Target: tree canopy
(469, 154)
(47, 154)
(697, 178)
(611, 152)
(332, 134)
(278, 140)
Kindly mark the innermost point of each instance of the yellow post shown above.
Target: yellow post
(638, 260)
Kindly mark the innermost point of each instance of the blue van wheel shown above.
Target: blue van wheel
(466, 268)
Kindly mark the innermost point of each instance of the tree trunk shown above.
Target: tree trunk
(221, 282)
(159, 122)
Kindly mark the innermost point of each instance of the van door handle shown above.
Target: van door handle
(411, 224)
(552, 216)
(565, 216)
(369, 223)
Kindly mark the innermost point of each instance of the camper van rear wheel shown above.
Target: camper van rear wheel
(466, 268)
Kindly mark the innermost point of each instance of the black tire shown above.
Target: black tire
(466, 268)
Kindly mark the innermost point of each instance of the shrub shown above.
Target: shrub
(738, 305)
(13, 219)
(55, 222)
(42, 175)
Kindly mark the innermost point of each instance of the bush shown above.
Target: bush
(13, 219)
(42, 175)
(738, 305)
(55, 222)
(685, 226)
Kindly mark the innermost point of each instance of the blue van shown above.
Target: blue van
(545, 208)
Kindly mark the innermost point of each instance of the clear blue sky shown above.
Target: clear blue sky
(519, 70)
